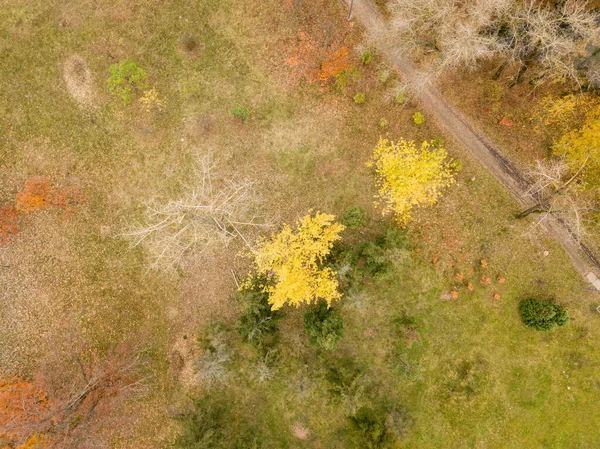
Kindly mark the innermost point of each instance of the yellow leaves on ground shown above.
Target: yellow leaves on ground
(292, 260)
(410, 177)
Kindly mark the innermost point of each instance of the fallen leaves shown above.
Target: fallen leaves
(8, 224)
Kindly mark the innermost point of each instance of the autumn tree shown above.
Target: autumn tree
(567, 184)
(291, 261)
(67, 409)
(409, 176)
(581, 148)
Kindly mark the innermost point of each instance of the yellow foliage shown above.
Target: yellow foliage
(151, 100)
(37, 440)
(292, 260)
(563, 112)
(410, 177)
(582, 146)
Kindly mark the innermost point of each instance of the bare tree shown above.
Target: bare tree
(209, 214)
(558, 192)
(465, 33)
(75, 409)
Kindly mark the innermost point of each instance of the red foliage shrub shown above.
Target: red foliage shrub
(8, 224)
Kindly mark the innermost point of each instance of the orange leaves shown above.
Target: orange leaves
(38, 193)
(463, 280)
(316, 62)
(335, 64)
(8, 224)
(506, 122)
(22, 403)
(33, 196)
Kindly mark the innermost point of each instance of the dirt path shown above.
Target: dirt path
(457, 126)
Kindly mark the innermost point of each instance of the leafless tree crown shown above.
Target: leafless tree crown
(208, 214)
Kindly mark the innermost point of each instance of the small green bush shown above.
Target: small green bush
(360, 98)
(324, 327)
(244, 114)
(542, 315)
(365, 56)
(384, 76)
(368, 429)
(125, 79)
(418, 118)
(346, 78)
(213, 424)
(258, 321)
(379, 259)
(354, 217)
(400, 98)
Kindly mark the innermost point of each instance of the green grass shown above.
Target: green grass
(462, 373)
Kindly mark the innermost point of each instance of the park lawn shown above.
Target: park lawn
(466, 374)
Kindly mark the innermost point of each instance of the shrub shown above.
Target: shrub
(381, 258)
(365, 56)
(418, 118)
(384, 76)
(354, 217)
(258, 321)
(400, 98)
(343, 79)
(360, 98)
(324, 327)
(368, 429)
(212, 424)
(383, 123)
(125, 79)
(211, 365)
(542, 315)
(244, 114)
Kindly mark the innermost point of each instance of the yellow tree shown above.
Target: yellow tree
(581, 148)
(409, 177)
(292, 261)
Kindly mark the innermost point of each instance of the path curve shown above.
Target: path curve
(457, 126)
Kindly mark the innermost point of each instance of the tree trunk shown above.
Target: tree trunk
(539, 207)
(519, 75)
(498, 71)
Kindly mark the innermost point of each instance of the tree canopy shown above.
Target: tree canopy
(409, 177)
(292, 262)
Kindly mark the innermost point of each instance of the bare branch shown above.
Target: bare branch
(207, 215)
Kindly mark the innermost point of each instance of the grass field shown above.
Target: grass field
(446, 373)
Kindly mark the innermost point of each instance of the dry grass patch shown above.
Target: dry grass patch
(79, 80)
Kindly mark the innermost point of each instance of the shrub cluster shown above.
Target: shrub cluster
(259, 321)
(542, 315)
(323, 327)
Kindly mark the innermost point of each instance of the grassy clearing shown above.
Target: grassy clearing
(461, 373)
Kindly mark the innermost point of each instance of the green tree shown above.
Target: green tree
(542, 315)
(323, 327)
(125, 79)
